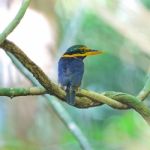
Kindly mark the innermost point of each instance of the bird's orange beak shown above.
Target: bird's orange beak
(93, 52)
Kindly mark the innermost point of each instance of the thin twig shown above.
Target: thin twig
(145, 91)
(12, 25)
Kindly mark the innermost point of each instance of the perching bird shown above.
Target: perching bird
(71, 69)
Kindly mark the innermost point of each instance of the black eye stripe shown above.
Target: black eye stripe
(76, 52)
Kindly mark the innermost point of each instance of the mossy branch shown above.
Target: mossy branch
(12, 25)
(14, 92)
(84, 98)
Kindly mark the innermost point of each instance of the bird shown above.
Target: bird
(71, 69)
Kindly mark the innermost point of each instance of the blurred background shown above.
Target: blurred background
(121, 29)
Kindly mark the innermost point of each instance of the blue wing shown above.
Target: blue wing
(70, 71)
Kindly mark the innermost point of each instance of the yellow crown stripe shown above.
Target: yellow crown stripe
(74, 55)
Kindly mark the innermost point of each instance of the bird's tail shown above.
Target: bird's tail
(70, 95)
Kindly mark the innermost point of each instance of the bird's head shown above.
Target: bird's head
(80, 51)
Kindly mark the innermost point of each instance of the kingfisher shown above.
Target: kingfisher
(71, 69)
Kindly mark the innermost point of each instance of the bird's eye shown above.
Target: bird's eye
(82, 51)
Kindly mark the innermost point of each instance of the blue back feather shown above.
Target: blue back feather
(70, 73)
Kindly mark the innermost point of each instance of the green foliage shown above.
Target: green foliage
(70, 140)
(17, 144)
(96, 33)
(146, 3)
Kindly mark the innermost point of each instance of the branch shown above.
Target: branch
(84, 98)
(14, 92)
(131, 101)
(101, 98)
(118, 96)
(12, 25)
(145, 91)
